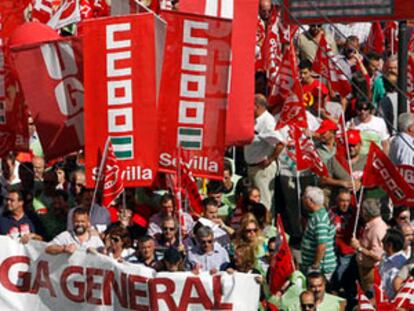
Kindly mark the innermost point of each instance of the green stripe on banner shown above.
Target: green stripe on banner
(189, 131)
(123, 154)
(190, 144)
(121, 140)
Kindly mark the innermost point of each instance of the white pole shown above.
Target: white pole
(361, 194)
(101, 167)
(319, 96)
(348, 155)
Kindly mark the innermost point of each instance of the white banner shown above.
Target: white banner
(32, 280)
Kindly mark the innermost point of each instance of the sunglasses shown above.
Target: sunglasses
(307, 305)
(364, 108)
(250, 230)
(206, 241)
(168, 229)
(403, 217)
(115, 239)
(79, 185)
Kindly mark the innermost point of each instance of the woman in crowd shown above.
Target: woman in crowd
(118, 244)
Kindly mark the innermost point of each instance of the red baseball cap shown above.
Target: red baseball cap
(354, 137)
(326, 125)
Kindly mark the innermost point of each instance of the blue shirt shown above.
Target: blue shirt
(16, 228)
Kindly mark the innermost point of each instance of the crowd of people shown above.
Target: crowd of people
(334, 249)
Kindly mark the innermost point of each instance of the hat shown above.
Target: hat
(172, 255)
(326, 125)
(354, 137)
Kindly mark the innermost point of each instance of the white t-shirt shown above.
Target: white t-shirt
(375, 130)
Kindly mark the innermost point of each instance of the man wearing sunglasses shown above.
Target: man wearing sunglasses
(372, 128)
(207, 255)
(307, 301)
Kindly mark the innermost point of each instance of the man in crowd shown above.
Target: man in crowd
(369, 246)
(146, 252)
(261, 154)
(402, 145)
(81, 237)
(207, 255)
(319, 237)
(167, 209)
(15, 223)
(38, 168)
(326, 146)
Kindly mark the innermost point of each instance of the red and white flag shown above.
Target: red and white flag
(410, 73)
(376, 40)
(42, 10)
(326, 65)
(306, 156)
(281, 264)
(113, 184)
(364, 304)
(193, 93)
(69, 12)
(51, 75)
(120, 95)
(240, 114)
(380, 172)
(405, 296)
(391, 36)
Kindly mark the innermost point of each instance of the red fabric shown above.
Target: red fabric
(391, 36)
(405, 296)
(86, 9)
(306, 155)
(113, 184)
(325, 66)
(127, 112)
(380, 171)
(42, 10)
(189, 117)
(376, 40)
(364, 304)
(240, 114)
(53, 88)
(344, 224)
(281, 264)
(311, 94)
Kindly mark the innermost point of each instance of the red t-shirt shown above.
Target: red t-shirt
(311, 94)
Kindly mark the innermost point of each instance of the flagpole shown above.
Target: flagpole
(361, 194)
(124, 201)
(319, 96)
(105, 154)
(348, 155)
(179, 199)
(298, 191)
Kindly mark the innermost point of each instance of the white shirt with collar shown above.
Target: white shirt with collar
(264, 140)
(402, 149)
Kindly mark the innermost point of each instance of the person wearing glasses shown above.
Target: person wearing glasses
(118, 244)
(373, 129)
(206, 255)
(307, 301)
(250, 233)
(168, 238)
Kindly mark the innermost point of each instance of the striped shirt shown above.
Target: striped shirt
(319, 230)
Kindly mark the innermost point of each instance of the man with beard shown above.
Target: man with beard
(81, 237)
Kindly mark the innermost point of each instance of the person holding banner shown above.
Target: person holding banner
(82, 237)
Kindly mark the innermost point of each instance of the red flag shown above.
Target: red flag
(376, 40)
(13, 116)
(410, 73)
(68, 13)
(51, 75)
(113, 184)
(325, 64)
(42, 10)
(380, 171)
(405, 296)
(364, 304)
(285, 79)
(193, 93)
(281, 264)
(86, 9)
(407, 171)
(120, 95)
(189, 184)
(240, 115)
(306, 156)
